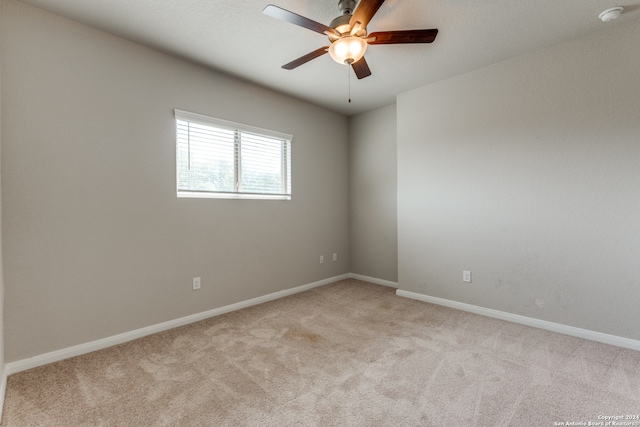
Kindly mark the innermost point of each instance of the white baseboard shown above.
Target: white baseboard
(373, 280)
(77, 350)
(3, 388)
(528, 321)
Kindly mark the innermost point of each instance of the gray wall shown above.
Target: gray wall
(373, 235)
(95, 241)
(527, 173)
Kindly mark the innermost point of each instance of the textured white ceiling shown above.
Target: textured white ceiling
(234, 36)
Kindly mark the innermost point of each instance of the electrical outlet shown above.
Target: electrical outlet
(466, 276)
(321, 259)
(335, 256)
(196, 283)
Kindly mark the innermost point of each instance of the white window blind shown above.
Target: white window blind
(217, 158)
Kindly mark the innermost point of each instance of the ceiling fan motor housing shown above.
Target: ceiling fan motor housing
(341, 23)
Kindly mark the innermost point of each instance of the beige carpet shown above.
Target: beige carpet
(346, 354)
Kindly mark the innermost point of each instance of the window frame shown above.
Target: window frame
(238, 128)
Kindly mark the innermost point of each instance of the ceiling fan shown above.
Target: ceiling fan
(348, 34)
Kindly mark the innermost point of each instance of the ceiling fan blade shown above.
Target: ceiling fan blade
(364, 12)
(361, 68)
(306, 58)
(403, 36)
(294, 18)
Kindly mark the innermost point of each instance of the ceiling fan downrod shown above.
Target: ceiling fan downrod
(347, 6)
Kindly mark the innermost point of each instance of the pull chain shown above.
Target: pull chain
(349, 80)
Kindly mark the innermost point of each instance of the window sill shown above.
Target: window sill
(236, 196)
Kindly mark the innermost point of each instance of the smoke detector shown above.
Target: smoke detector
(610, 14)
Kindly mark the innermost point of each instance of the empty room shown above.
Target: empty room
(322, 213)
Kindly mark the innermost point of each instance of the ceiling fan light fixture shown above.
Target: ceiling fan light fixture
(348, 50)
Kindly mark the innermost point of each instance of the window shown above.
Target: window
(217, 158)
